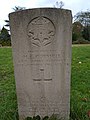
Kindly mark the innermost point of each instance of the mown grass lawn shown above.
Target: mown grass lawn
(80, 84)
(8, 104)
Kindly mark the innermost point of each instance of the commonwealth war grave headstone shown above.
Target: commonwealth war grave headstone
(41, 43)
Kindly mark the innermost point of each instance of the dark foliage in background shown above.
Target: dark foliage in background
(5, 39)
(82, 18)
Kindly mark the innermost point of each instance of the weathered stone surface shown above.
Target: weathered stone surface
(41, 42)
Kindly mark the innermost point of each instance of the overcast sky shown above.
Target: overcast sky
(6, 6)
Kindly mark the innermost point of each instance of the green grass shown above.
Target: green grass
(8, 104)
(80, 84)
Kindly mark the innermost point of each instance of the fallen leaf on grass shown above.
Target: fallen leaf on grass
(84, 99)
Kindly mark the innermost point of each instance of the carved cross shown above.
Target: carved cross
(42, 77)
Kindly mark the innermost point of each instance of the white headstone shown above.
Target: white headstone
(41, 42)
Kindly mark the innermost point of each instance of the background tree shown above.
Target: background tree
(7, 23)
(59, 4)
(84, 19)
(86, 33)
(5, 37)
(16, 8)
(77, 28)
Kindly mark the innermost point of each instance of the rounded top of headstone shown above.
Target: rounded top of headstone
(42, 8)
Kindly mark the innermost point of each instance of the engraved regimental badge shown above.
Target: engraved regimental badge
(41, 31)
